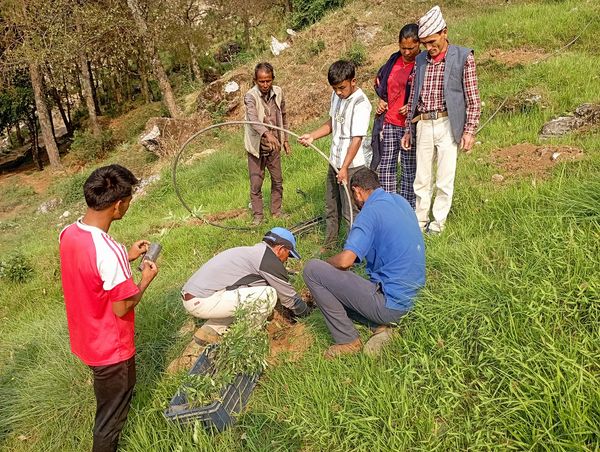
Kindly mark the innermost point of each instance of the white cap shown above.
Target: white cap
(431, 23)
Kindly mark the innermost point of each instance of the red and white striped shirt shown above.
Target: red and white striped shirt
(95, 273)
(432, 93)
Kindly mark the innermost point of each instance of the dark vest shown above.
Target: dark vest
(454, 93)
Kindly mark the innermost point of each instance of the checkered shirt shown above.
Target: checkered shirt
(432, 92)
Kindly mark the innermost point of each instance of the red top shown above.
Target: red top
(95, 273)
(396, 91)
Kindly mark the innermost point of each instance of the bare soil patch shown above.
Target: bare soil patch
(515, 57)
(288, 341)
(527, 159)
(226, 215)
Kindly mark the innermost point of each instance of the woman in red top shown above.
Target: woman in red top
(393, 87)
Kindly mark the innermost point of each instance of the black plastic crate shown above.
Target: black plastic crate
(221, 413)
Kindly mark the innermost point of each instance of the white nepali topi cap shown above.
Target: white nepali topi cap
(431, 23)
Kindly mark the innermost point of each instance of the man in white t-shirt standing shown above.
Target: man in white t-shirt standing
(349, 118)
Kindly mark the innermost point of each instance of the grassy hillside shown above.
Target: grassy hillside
(501, 351)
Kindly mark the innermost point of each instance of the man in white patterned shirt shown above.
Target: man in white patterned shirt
(349, 118)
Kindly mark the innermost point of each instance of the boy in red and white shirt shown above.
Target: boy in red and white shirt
(100, 297)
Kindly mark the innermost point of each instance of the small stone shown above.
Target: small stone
(22, 437)
(65, 214)
(555, 155)
(497, 178)
(231, 87)
(478, 143)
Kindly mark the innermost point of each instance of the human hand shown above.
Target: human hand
(287, 148)
(149, 270)
(405, 143)
(272, 141)
(382, 106)
(137, 249)
(306, 139)
(342, 176)
(467, 141)
(403, 110)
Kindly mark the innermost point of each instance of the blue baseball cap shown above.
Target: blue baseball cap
(281, 236)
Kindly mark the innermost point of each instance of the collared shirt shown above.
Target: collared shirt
(386, 234)
(270, 107)
(350, 118)
(432, 92)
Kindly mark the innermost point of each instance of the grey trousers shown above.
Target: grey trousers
(336, 205)
(344, 296)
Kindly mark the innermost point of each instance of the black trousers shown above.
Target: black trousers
(113, 387)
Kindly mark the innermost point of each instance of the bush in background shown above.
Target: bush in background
(86, 147)
(357, 53)
(307, 12)
(16, 268)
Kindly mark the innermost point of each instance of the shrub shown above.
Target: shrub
(16, 268)
(357, 53)
(86, 147)
(307, 12)
(316, 47)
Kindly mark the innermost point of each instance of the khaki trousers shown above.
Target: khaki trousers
(218, 309)
(435, 144)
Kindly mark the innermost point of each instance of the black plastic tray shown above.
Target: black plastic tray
(220, 414)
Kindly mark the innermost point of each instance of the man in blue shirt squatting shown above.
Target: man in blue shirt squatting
(386, 235)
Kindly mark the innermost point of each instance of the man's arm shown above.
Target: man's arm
(343, 260)
(120, 308)
(324, 130)
(473, 102)
(406, 139)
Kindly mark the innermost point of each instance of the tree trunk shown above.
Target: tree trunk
(144, 78)
(58, 101)
(68, 101)
(246, 35)
(157, 66)
(18, 133)
(289, 6)
(86, 88)
(35, 148)
(194, 60)
(42, 110)
(10, 138)
(94, 85)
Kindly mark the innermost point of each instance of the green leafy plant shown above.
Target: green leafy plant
(357, 53)
(17, 268)
(316, 47)
(307, 12)
(243, 350)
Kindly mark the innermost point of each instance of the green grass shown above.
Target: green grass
(501, 351)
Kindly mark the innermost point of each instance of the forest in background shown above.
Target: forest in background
(89, 59)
